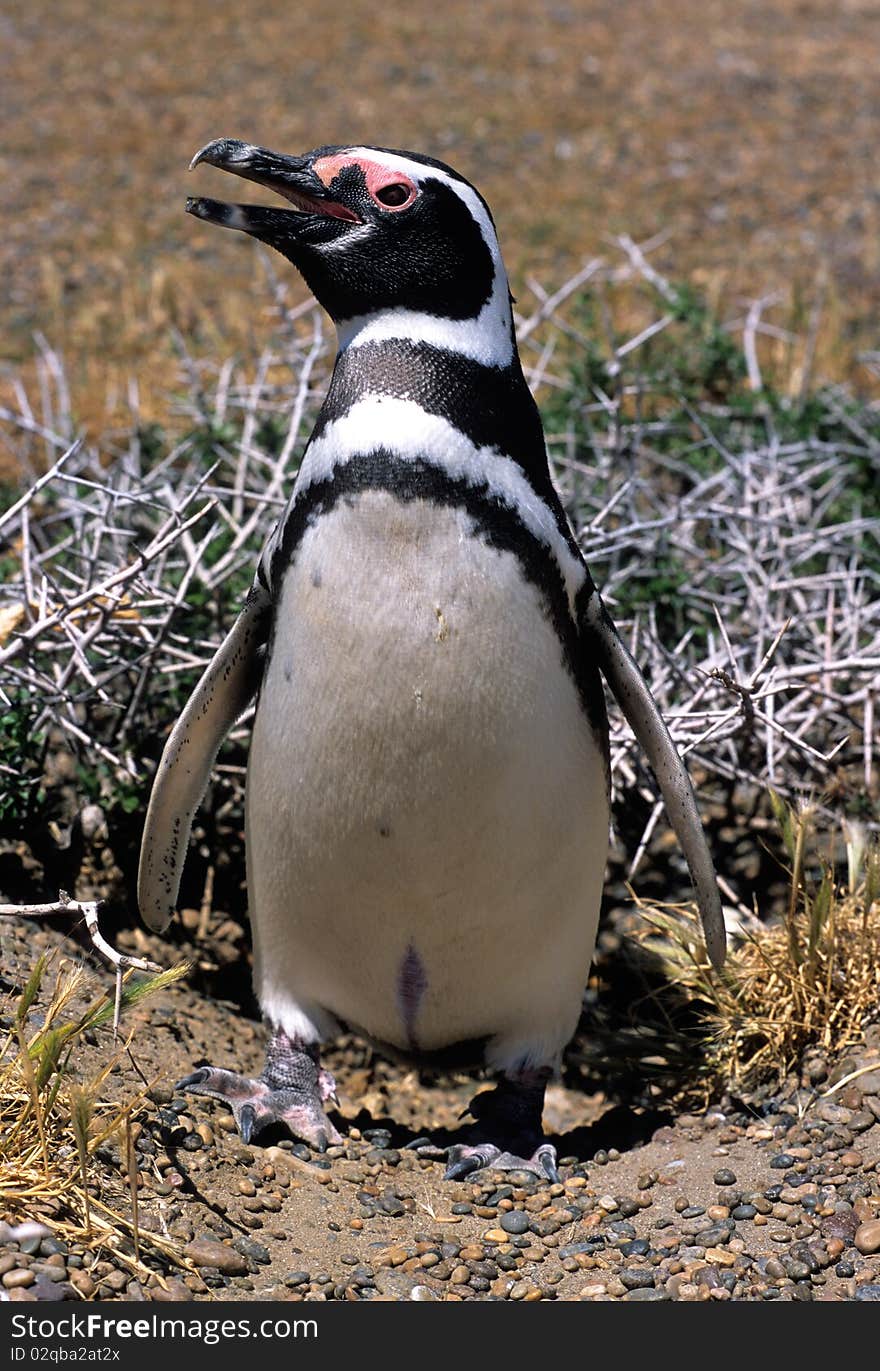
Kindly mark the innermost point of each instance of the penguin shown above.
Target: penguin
(427, 798)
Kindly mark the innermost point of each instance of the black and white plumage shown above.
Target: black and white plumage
(428, 789)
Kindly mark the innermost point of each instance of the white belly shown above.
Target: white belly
(426, 805)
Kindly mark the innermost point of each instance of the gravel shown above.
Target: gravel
(775, 1197)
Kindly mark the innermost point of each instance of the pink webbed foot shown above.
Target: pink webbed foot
(290, 1090)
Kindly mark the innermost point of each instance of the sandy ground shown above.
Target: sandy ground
(769, 1195)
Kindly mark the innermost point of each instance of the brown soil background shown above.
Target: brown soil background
(747, 132)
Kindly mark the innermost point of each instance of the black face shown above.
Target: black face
(371, 230)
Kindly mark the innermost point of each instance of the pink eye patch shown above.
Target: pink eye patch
(392, 190)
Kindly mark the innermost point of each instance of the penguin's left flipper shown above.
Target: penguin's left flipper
(221, 696)
(640, 708)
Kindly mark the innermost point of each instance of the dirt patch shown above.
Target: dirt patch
(757, 1198)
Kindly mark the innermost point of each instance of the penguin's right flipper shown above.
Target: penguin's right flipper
(640, 708)
(221, 696)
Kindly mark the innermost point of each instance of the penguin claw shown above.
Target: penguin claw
(220, 1084)
(545, 1156)
(463, 1160)
(193, 1079)
(247, 1119)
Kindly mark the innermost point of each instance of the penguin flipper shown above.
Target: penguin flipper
(640, 708)
(220, 697)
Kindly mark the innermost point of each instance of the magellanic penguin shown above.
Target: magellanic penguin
(427, 803)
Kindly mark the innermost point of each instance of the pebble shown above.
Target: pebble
(712, 1237)
(867, 1237)
(207, 1252)
(21, 1276)
(743, 1211)
(637, 1278)
(55, 1274)
(724, 1177)
(840, 1225)
(515, 1221)
(175, 1292)
(255, 1250)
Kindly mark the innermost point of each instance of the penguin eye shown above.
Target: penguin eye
(394, 195)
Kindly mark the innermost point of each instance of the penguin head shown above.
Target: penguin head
(377, 234)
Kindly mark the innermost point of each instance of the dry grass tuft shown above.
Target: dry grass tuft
(51, 1126)
(810, 980)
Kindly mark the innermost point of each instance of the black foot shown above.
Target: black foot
(507, 1135)
(463, 1160)
(291, 1090)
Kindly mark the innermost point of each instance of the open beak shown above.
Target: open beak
(291, 177)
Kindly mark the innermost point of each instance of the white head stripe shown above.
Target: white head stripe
(489, 337)
(419, 172)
